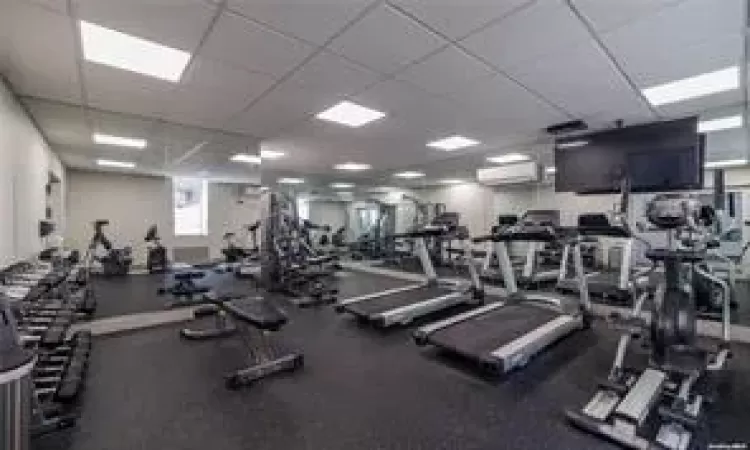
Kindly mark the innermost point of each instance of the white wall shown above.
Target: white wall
(480, 205)
(329, 213)
(132, 203)
(25, 163)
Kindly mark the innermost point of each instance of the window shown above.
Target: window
(190, 207)
(303, 209)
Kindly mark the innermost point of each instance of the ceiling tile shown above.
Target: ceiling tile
(457, 18)
(541, 29)
(26, 59)
(286, 104)
(59, 6)
(606, 15)
(212, 92)
(506, 106)
(445, 72)
(126, 92)
(123, 124)
(60, 123)
(313, 20)
(243, 43)
(176, 23)
(398, 97)
(585, 83)
(386, 40)
(691, 38)
(334, 75)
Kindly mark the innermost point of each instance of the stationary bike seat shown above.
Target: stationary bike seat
(256, 311)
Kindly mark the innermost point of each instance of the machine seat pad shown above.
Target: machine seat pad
(259, 312)
(189, 275)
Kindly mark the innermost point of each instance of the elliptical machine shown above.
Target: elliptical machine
(662, 405)
(116, 261)
(156, 258)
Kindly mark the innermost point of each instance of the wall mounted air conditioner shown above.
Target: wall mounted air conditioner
(517, 173)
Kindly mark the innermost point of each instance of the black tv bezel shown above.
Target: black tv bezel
(701, 145)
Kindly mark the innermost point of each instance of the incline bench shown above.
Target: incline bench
(246, 316)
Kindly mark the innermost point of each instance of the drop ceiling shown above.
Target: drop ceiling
(497, 71)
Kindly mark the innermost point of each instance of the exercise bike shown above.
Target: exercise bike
(662, 405)
(115, 261)
(156, 258)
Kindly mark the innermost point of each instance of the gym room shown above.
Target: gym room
(374, 224)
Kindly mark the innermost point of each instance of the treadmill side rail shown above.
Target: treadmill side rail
(379, 294)
(516, 354)
(433, 327)
(407, 313)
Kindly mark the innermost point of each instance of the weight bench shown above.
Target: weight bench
(184, 290)
(254, 319)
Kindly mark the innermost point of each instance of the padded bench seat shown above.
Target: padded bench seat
(256, 311)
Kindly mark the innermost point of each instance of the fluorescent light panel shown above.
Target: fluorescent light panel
(726, 163)
(352, 166)
(271, 154)
(572, 144)
(720, 123)
(509, 158)
(290, 180)
(342, 185)
(409, 174)
(453, 143)
(350, 114)
(694, 87)
(115, 49)
(245, 158)
(111, 163)
(451, 181)
(108, 139)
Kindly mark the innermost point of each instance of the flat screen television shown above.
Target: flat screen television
(657, 157)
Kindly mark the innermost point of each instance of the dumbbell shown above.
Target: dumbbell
(67, 384)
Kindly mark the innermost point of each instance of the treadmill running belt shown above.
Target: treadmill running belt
(368, 308)
(478, 337)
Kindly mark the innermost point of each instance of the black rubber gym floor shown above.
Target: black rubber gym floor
(138, 293)
(360, 389)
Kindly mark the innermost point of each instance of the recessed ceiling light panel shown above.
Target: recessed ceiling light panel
(720, 123)
(245, 158)
(108, 139)
(350, 114)
(111, 163)
(452, 181)
(271, 154)
(453, 143)
(508, 158)
(694, 87)
(342, 185)
(291, 181)
(409, 174)
(352, 166)
(115, 49)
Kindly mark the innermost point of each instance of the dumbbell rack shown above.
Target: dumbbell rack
(45, 303)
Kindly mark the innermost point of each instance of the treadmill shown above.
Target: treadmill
(537, 268)
(617, 283)
(402, 305)
(488, 273)
(505, 335)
